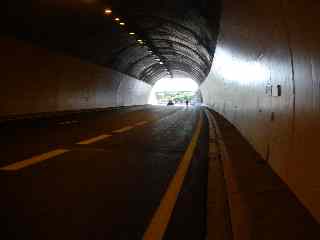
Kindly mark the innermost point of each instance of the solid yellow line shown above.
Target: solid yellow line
(141, 123)
(161, 218)
(95, 139)
(36, 159)
(123, 129)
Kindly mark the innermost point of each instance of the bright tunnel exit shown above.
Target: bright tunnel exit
(176, 90)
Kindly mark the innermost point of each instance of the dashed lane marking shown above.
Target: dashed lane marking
(95, 139)
(68, 122)
(121, 130)
(161, 217)
(141, 123)
(36, 159)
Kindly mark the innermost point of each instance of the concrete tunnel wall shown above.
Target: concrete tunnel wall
(35, 80)
(264, 46)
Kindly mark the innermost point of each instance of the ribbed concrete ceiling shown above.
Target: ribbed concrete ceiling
(177, 37)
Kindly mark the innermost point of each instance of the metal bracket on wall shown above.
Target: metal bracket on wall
(273, 93)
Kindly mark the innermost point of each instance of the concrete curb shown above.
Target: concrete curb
(218, 205)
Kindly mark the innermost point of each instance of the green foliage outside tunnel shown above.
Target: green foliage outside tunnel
(178, 97)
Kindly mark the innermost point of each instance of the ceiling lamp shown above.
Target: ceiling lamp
(108, 11)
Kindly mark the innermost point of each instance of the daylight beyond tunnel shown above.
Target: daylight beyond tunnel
(177, 91)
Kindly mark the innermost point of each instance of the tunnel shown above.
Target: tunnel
(256, 62)
(150, 45)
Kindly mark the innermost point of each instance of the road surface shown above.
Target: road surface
(133, 173)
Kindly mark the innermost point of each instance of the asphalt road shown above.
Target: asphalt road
(105, 175)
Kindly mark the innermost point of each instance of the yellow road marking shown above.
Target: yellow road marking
(36, 159)
(141, 123)
(123, 129)
(95, 139)
(161, 218)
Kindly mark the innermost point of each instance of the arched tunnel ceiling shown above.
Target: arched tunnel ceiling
(178, 36)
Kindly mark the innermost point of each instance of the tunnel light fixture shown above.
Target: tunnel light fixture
(157, 59)
(161, 63)
(117, 19)
(149, 51)
(122, 23)
(140, 41)
(132, 33)
(108, 11)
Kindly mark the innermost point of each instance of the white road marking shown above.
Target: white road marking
(121, 130)
(95, 139)
(141, 123)
(36, 159)
(68, 122)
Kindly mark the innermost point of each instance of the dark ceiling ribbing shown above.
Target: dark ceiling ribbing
(180, 34)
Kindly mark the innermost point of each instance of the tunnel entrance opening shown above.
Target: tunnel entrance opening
(175, 90)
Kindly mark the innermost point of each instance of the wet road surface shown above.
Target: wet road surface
(103, 175)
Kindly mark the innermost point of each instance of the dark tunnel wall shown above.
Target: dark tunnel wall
(265, 80)
(35, 80)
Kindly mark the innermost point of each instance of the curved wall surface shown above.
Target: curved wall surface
(265, 80)
(35, 80)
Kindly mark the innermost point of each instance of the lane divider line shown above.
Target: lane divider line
(121, 130)
(161, 217)
(68, 122)
(141, 123)
(95, 139)
(36, 159)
